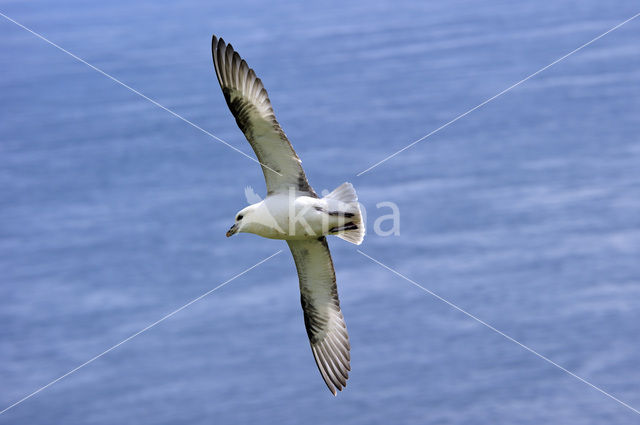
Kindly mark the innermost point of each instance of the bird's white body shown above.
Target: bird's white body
(294, 216)
(282, 216)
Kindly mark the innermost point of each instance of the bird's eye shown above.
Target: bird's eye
(239, 217)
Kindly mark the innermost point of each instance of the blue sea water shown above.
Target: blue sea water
(524, 213)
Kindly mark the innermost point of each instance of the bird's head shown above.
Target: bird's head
(243, 221)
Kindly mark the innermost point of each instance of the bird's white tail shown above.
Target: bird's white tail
(353, 229)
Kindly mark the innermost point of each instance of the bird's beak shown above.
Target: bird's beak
(233, 230)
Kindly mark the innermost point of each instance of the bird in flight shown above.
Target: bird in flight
(293, 211)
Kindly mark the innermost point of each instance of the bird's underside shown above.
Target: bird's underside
(250, 105)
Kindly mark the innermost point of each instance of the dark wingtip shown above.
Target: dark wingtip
(216, 42)
(332, 388)
(214, 46)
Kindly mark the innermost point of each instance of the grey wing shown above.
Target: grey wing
(250, 105)
(323, 319)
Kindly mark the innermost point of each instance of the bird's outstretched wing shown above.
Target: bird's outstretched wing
(251, 107)
(322, 316)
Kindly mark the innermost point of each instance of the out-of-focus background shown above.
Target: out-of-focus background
(526, 213)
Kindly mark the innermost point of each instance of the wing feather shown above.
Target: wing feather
(323, 318)
(250, 105)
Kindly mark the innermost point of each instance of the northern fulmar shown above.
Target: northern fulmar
(293, 211)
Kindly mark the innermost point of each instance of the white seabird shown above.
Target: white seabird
(292, 211)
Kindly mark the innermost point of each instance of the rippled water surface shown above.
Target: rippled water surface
(525, 213)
